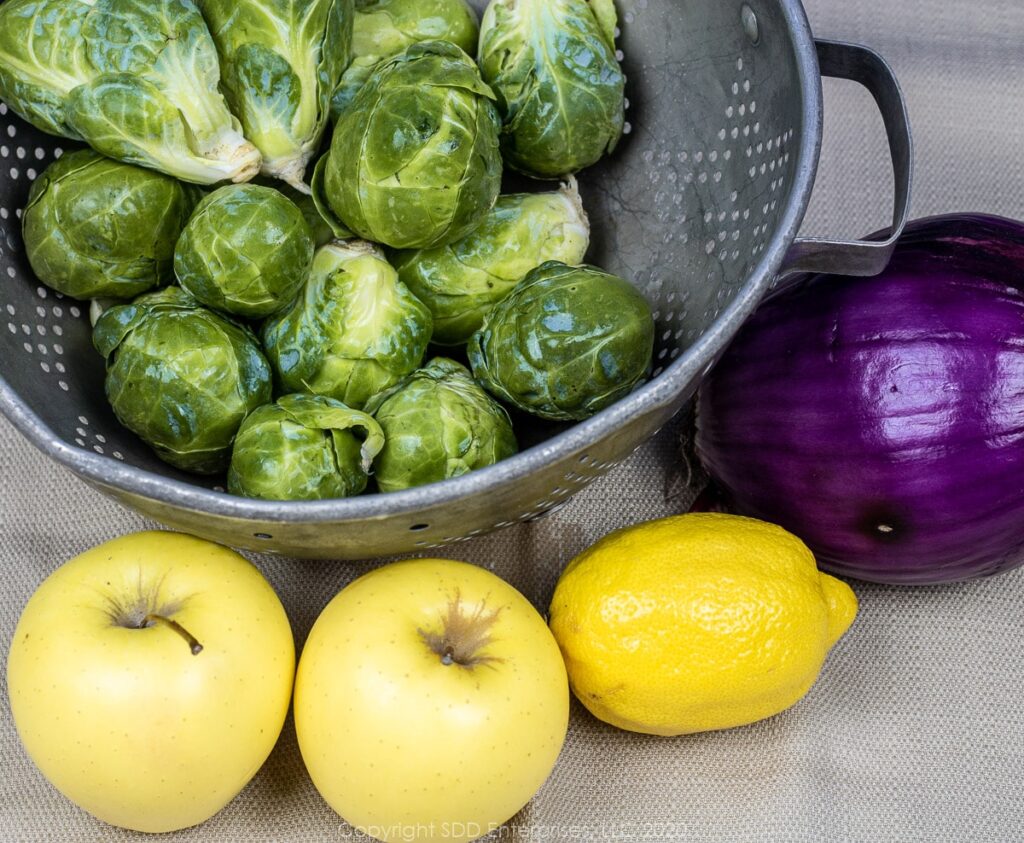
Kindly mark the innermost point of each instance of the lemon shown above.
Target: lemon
(696, 622)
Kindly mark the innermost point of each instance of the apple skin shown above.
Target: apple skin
(406, 747)
(127, 722)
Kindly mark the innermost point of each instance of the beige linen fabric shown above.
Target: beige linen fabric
(916, 729)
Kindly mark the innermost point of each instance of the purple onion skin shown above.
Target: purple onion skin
(881, 420)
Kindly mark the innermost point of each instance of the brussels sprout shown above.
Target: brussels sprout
(415, 161)
(136, 79)
(438, 423)
(94, 227)
(246, 251)
(181, 377)
(354, 332)
(383, 28)
(560, 88)
(281, 61)
(304, 448)
(463, 281)
(568, 342)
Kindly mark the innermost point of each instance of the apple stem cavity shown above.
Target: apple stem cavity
(465, 632)
(193, 644)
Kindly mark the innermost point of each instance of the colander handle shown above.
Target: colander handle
(863, 257)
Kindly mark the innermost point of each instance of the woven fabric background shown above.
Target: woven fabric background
(915, 730)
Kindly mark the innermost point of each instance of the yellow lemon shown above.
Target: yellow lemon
(696, 622)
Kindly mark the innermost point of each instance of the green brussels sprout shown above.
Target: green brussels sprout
(383, 28)
(559, 85)
(246, 251)
(462, 282)
(97, 228)
(136, 79)
(181, 377)
(415, 160)
(354, 332)
(281, 61)
(568, 342)
(304, 448)
(438, 424)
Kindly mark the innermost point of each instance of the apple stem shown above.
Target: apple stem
(193, 644)
(448, 656)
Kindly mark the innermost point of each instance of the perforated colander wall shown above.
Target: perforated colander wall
(685, 209)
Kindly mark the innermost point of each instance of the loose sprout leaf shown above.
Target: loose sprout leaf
(607, 18)
(270, 97)
(335, 417)
(321, 203)
(128, 118)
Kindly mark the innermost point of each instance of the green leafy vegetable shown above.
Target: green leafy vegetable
(282, 60)
(462, 282)
(438, 424)
(246, 251)
(415, 160)
(181, 377)
(568, 342)
(560, 88)
(384, 28)
(354, 332)
(98, 228)
(136, 79)
(304, 448)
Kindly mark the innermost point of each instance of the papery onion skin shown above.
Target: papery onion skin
(881, 420)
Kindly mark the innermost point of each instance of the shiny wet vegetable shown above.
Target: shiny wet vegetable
(355, 331)
(181, 377)
(438, 424)
(384, 28)
(462, 282)
(879, 419)
(138, 81)
(303, 448)
(94, 227)
(414, 162)
(566, 343)
(561, 91)
(281, 61)
(246, 251)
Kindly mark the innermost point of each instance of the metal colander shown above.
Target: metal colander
(699, 207)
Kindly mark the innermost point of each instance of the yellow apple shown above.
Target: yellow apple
(431, 702)
(149, 678)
